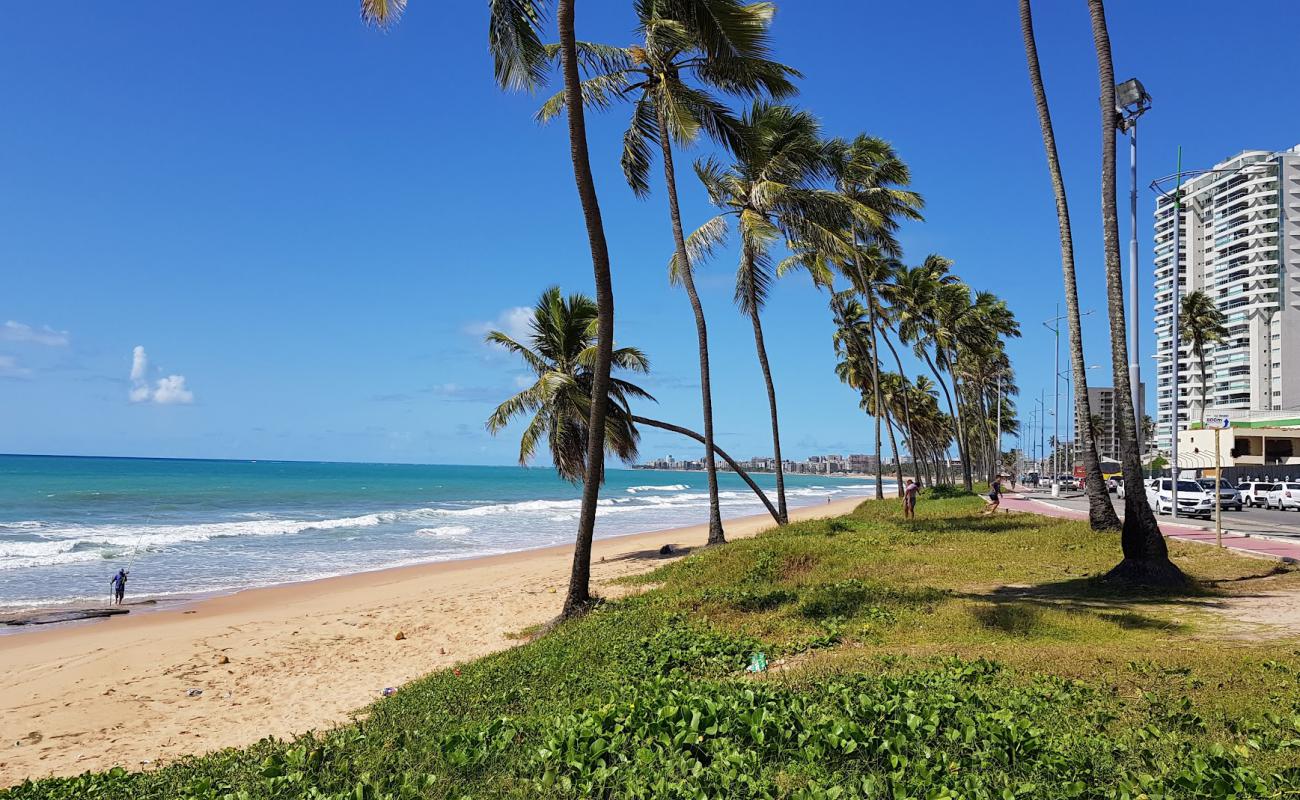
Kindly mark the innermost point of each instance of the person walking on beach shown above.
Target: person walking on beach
(995, 495)
(910, 492)
(118, 585)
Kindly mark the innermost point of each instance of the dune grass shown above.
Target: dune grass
(953, 656)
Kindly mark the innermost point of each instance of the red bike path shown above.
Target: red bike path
(1249, 545)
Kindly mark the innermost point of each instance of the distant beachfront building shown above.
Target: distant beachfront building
(1240, 244)
(1101, 404)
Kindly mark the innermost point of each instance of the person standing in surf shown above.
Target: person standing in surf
(118, 585)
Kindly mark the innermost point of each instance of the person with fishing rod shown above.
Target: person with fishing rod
(118, 585)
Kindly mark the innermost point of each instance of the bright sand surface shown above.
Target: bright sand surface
(284, 659)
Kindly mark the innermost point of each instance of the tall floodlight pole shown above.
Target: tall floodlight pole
(1131, 102)
(1178, 274)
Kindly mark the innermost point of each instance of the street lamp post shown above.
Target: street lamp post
(1054, 325)
(1131, 102)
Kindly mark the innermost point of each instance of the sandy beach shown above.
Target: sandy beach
(283, 659)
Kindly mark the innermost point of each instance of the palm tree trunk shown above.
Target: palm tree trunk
(1205, 388)
(898, 462)
(783, 516)
(1101, 514)
(875, 379)
(952, 411)
(668, 426)
(907, 405)
(579, 598)
(963, 443)
(1146, 557)
(986, 441)
(716, 535)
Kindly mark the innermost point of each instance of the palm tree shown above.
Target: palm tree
(927, 299)
(1146, 557)
(560, 350)
(1201, 323)
(870, 177)
(561, 353)
(521, 61)
(688, 49)
(770, 193)
(1101, 514)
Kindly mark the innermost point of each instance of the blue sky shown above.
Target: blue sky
(307, 224)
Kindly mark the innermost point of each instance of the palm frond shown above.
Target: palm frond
(382, 13)
(638, 147)
(519, 59)
(598, 92)
(699, 246)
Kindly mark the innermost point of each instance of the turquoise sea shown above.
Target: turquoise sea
(188, 527)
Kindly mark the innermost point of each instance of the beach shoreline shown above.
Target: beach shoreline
(288, 658)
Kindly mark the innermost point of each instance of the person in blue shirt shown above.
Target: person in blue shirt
(118, 585)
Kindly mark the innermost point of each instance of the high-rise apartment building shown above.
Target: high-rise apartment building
(1240, 244)
(1105, 426)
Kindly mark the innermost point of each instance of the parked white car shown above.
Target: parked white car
(1254, 493)
(1283, 496)
(1229, 497)
(1193, 499)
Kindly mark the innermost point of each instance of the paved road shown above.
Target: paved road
(1250, 521)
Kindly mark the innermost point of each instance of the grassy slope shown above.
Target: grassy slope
(957, 656)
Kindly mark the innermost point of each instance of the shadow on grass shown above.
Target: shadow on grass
(655, 554)
(975, 523)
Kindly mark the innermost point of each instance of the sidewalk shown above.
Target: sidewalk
(1286, 551)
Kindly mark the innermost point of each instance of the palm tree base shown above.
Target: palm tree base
(1158, 573)
(1099, 520)
(575, 608)
(716, 536)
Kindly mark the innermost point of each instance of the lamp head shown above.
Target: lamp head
(1131, 99)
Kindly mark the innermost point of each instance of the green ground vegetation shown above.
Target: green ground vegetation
(952, 656)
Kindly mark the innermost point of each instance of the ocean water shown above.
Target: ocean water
(192, 527)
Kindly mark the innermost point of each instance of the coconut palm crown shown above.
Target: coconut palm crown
(560, 351)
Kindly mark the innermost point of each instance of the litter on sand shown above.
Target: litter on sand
(194, 693)
(389, 691)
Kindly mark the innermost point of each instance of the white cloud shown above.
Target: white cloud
(19, 332)
(10, 368)
(517, 323)
(139, 364)
(170, 390)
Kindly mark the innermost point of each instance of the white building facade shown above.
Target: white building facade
(1240, 244)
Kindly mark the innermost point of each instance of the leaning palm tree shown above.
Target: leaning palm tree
(1101, 514)
(559, 350)
(1201, 322)
(689, 50)
(1146, 557)
(561, 354)
(770, 193)
(521, 61)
